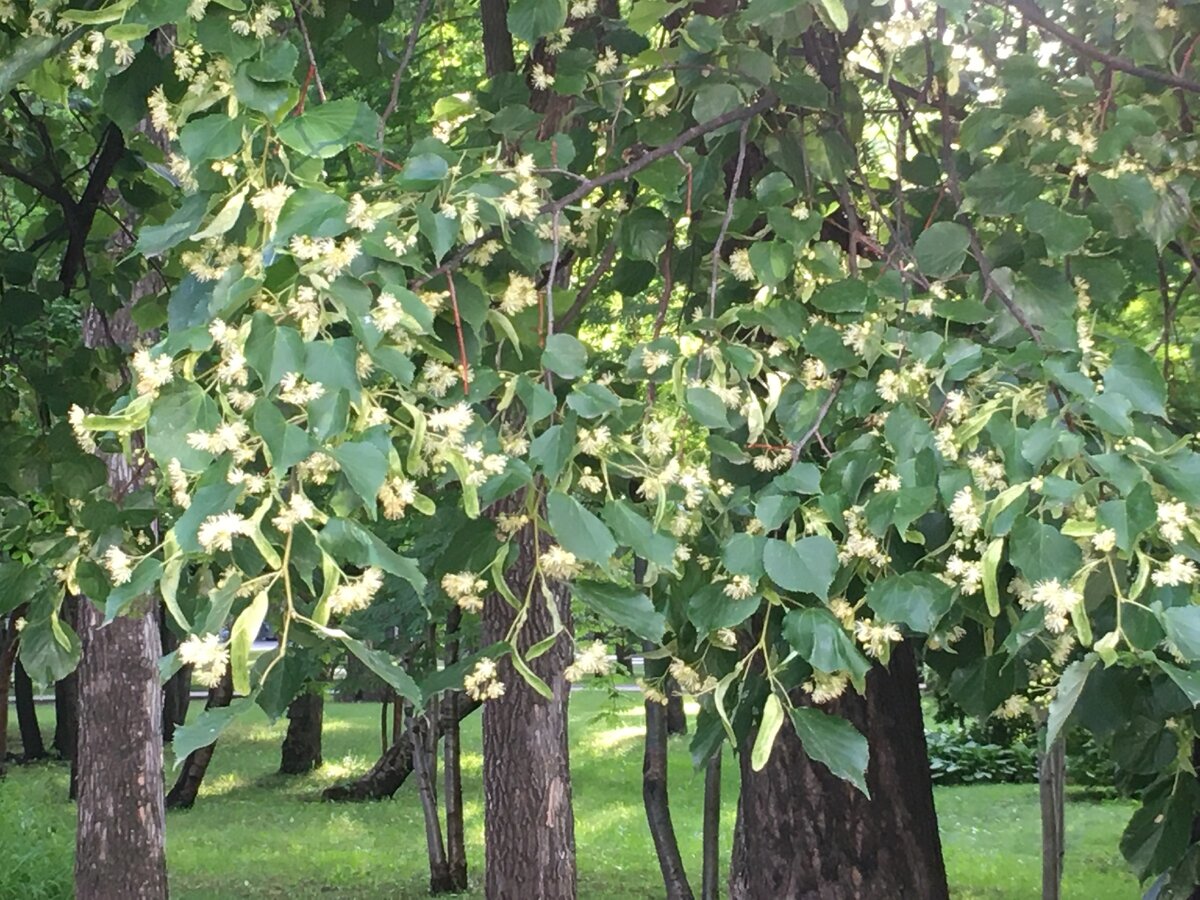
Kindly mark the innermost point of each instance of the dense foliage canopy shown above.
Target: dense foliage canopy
(854, 322)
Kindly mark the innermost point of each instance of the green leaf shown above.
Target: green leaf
(564, 355)
(533, 19)
(1041, 552)
(286, 444)
(639, 535)
(991, 563)
(836, 743)
(383, 665)
(348, 541)
(710, 608)
(916, 599)
(1130, 517)
(1070, 686)
(824, 644)
(1182, 624)
(768, 728)
(593, 400)
(154, 239)
(1134, 375)
(120, 598)
(425, 170)
(273, 350)
(365, 467)
(713, 100)
(835, 12)
(1063, 233)
(941, 249)
(578, 530)
(706, 408)
(205, 728)
(772, 261)
(553, 448)
(807, 566)
(626, 607)
(245, 630)
(327, 129)
(775, 509)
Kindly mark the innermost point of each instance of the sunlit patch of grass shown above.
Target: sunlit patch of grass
(256, 834)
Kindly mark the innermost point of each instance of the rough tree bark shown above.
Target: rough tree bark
(710, 887)
(655, 797)
(32, 745)
(456, 840)
(66, 704)
(301, 751)
(392, 769)
(424, 754)
(529, 826)
(1052, 780)
(676, 717)
(805, 834)
(497, 43)
(177, 692)
(120, 828)
(8, 654)
(191, 774)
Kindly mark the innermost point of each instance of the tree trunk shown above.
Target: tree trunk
(191, 775)
(66, 704)
(656, 799)
(805, 834)
(710, 888)
(393, 768)
(456, 840)
(423, 751)
(8, 654)
(1052, 779)
(497, 42)
(676, 717)
(120, 830)
(529, 827)
(624, 654)
(177, 692)
(302, 746)
(32, 745)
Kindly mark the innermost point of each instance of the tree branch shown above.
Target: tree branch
(394, 98)
(1033, 14)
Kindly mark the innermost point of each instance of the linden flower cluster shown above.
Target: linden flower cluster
(825, 687)
(207, 656)
(523, 202)
(520, 294)
(592, 661)
(965, 512)
(325, 258)
(1175, 571)
(396, 495)
(356, 593)
(118, 564)
(465, 589)
(876, 639)
(1173, 518)
(153, 372)
(1012, 708)
(559, 563)
(859, 543)
(231, 369)
(217, 532)
(228, 437)
(739, 587)
(482, 683)
(1058, 600)
(689, 680)
(912, 381)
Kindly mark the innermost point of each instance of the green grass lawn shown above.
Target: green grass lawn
(256, 834)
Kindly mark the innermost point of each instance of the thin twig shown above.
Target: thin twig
(394, 98)
(462, 344)
(606, 260)
(312, 59)
(1035, 15)
(733, 189)
(827, 405)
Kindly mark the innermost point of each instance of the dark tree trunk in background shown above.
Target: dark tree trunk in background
(66, 702)
(624, 655)
(301, 751)
(805, 834)
(529, 827)
(456, 840)
(8, 655)
(676, 717)
(424, 752)
(191, 774)
(497, 42)
(1052, 781)
(393, 768)
(120, 835)
(177, 692)
(32, 746)
(710, 888)
(655, 796)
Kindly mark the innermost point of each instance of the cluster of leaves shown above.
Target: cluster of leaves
(857, 393)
